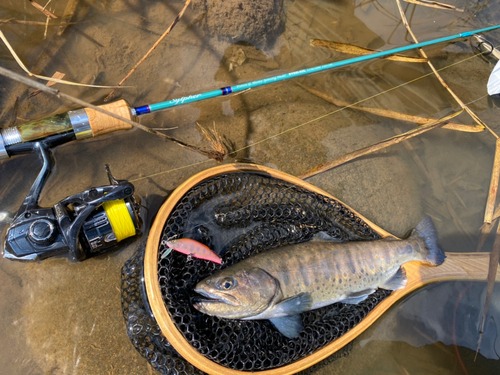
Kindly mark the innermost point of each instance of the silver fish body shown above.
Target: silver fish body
(281, 283)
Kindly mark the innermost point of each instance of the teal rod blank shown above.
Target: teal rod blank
(283, 77)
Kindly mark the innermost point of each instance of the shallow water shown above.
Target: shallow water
(59, 317)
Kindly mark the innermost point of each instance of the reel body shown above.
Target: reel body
(84, 224)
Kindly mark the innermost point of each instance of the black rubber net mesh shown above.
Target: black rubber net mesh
(239, 214)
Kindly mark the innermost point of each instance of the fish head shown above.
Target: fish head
(237, 294)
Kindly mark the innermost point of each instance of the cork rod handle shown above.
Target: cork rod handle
(103, 124)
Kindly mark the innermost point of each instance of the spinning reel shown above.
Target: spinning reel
(84, 224)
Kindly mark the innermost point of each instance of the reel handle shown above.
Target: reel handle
(82, 123)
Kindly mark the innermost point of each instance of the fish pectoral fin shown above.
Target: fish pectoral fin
(294, 305)
(289, 326)
(323, 236)
(355, 298)
(397, 281)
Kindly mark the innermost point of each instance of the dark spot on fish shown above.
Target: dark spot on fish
(340, 281)
(408, 249)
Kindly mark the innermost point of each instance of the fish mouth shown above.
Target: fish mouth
(211, 298)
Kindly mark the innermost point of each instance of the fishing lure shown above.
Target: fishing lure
(192, 248)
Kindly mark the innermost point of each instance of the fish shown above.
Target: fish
(282, 283)
(192, 248)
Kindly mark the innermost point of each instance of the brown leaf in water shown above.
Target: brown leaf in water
(57, 75)
(42, 9)
(434, 4)
(351, 49)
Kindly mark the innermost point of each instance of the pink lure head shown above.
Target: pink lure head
(194, 248)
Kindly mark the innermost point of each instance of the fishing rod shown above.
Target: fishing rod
(283, 77)
(85, 123)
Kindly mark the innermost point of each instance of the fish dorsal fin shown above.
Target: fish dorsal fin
(289, 326)
(355, 298)
(396, 281)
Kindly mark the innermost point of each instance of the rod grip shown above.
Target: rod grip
(101, 123)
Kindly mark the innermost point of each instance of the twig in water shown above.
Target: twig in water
(377, 146)
(492, 271)
(42, 9)
(165, 129)
(37, 23)
(495, 175)
(151, 49)
(52, 91)
(46, 28)
(435, 4)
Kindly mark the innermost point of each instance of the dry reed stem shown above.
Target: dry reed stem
(435, 4)
(392, 114)
(377, 146)
(485, 231)
(438, 76)
(492, 271)
(57, 93)
(151, 49)
(22, 22)
(68, 14)
(352, 49)
(495, 175)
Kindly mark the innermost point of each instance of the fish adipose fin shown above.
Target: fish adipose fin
(289, 326)
(427, 231)
(355, 298)
(397, 281)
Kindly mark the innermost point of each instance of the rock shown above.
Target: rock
(258, 22)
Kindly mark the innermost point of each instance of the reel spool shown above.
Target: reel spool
(84, 224)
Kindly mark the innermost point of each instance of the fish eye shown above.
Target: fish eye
(227, 283)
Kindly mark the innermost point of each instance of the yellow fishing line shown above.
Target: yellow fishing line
(119, 218)
(318, 118)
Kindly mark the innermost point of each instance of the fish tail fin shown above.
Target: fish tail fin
(433, 254)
